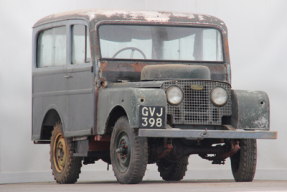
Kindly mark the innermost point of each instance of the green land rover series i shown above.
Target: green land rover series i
(139, 87)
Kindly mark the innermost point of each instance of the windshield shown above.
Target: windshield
(160, 43)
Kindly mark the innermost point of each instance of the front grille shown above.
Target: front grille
(197, 108)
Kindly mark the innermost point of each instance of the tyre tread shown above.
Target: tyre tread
(136, 173)
(247, 161)
(176, 172)
(73, 165)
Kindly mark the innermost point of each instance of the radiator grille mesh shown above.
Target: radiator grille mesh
(196, 107)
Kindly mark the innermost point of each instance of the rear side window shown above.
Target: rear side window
(51, 47)
(80, 44)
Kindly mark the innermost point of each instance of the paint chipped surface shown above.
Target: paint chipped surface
(262, 122)
(132, 15)
(201, 17)
(248, 110)
(87, 14)
(187, 15)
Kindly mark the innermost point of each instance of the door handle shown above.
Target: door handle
(67, 76)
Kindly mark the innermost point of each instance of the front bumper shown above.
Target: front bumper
(207, 134)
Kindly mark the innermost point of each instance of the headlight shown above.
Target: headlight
(174, 95)
(219, 96)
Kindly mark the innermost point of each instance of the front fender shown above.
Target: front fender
(250, 110)
(129, 99)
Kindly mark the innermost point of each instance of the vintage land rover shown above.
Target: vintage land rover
(139, 87)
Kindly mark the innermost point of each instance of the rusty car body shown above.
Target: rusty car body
(139, 87)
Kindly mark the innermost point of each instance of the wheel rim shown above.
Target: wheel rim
(59, 152)
(122, 153)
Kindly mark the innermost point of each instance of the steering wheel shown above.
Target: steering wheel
(132, 53)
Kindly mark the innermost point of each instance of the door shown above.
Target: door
(49, 71)
(80, 82)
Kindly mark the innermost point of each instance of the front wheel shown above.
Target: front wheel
(243, 163)
(65, 168)
(129, 153)
(172, 171)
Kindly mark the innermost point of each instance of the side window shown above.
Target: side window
(80, 45)
(51, 47)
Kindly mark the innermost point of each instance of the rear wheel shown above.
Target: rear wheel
(129, 153)
(172, 171)
(243, 163)
(65, 168)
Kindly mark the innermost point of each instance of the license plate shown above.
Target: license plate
(152, 116)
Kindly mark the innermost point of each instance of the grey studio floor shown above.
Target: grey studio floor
(186, 185)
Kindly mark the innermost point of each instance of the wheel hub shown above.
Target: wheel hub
(122, 152)
(59, 153)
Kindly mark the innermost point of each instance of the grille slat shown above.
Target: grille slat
(196, 108)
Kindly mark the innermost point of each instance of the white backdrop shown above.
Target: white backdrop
(258, 48)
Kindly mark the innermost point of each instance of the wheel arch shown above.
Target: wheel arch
(51, 117)
(117, 112)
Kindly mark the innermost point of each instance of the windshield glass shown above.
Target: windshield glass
(160, 43)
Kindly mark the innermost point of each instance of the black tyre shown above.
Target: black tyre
(243, 163)
(129, 153)
(65, 168)
(172, 171)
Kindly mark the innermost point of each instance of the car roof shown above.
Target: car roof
(97, 15)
